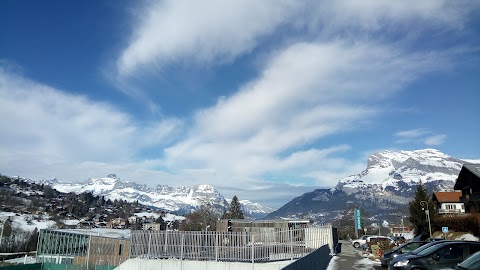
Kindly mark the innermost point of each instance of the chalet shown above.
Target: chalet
(152, 227)
(400, 230)
(117, 223)
(448, 203)
(133, 219)
(468, 182)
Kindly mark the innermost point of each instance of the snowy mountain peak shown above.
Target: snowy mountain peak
(102, 181)
(205, 189)
(387, 168)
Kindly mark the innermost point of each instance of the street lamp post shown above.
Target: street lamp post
(424, 205)
(401, 222)
(1, 234)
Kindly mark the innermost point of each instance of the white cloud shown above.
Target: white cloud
(216, 32)
(412, 133)
(46, 133)
(307, 92)
(420, 135)
(200, 31)
(435, 139)
(378, 14)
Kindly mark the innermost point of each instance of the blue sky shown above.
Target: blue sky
(249, 94)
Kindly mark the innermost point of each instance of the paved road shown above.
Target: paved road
(350, 258)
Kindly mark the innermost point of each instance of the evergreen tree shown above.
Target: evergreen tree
(32, 241)
(418, 217)
(235, 210)
(200, 220)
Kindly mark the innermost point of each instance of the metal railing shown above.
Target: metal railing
(450, 211)
(239, 247)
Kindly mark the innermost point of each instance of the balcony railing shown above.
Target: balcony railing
(451, 211)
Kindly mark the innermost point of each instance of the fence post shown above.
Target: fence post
(216, 246)
(182, 245)
(165, 246)
(253, 248)
(290, 231)
(149, 242)
(88, 251)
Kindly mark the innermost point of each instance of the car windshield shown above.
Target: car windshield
(429, 249)
(411, 247)
(472, 262)
(416, 251)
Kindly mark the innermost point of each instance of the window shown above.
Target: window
(473, 249)
(451, 252)
(120, 247)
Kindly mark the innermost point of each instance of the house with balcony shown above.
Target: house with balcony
(448, 203)
(468, 182)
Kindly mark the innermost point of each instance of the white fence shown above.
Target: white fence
(231, 247)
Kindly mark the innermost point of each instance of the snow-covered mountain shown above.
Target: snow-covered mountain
(388, 183)
(180, 200)
(253, 209)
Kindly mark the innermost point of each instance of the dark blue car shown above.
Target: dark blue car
(403, 248)
(441, 255)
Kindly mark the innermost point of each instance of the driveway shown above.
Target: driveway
(350, 258)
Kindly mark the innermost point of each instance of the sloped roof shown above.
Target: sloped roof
(450, 196)
(474, 168)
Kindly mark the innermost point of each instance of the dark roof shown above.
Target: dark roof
(474, 168)
(469, 176)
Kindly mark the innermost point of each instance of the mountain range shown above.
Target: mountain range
(178, 200)
(382, 190)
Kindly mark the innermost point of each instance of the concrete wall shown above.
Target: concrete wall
(171, 264)
(318, 260)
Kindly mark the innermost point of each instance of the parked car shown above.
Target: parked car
(403, 248)
(360, 241)
(443, 254)
(470, 263)
(399, 240)
(376, 240)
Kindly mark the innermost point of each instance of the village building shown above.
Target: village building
(82, 247)
(448, 203)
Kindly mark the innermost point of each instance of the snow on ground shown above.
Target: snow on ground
(147, 214)
(365, 263)
(22, 260)
(333, 263)
(467, 237)
(70, 222)
(167, 217)
(26, 222)
(112, 233)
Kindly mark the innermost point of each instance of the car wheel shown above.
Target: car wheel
(356, 244)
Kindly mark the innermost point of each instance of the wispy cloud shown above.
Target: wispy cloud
(412, 133)
(435, 139)
(217, 32)
(202, 32)
(269, 121)
(45, 132)
(420, 135)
